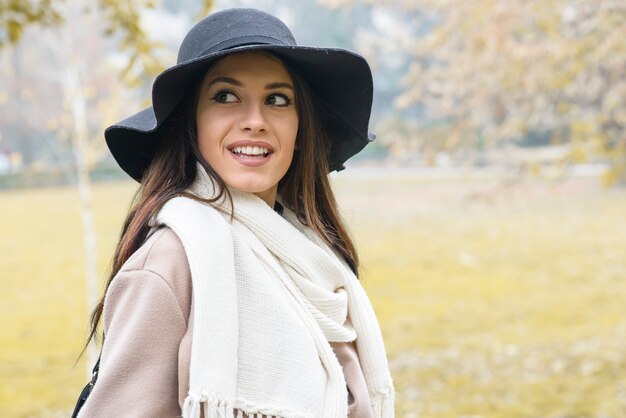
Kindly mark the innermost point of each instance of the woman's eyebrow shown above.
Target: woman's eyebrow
(228, 80)
(278, 86)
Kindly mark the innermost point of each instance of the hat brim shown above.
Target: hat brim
(341, 80)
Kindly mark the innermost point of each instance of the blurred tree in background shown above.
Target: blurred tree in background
(122, 21)
(524, 83)
(15, 15)
(489, 73)
(75, 57)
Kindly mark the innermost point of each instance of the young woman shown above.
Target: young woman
(234, 289)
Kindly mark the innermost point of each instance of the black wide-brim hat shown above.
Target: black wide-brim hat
(340, 80)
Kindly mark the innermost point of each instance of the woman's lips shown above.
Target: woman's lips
(251, 153)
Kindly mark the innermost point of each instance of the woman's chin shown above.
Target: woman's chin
(264, 190)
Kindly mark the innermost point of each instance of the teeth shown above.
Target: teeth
(251, 150)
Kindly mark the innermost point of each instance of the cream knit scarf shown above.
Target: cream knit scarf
(232, 340)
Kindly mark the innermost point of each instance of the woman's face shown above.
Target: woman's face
(247, 122)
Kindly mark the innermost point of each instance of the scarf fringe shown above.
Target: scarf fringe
(383, 407)
(383, 404)
(211, 408)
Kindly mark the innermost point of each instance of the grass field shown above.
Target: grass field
(493, 302)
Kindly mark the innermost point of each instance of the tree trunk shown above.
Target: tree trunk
(74, 93)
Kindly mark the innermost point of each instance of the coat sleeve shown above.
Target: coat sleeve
(143, 326)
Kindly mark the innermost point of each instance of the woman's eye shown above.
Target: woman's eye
(225, 97)
(278, 100)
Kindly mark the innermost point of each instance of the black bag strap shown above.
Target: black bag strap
(87, 389)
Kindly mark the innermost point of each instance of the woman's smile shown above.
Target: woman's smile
(251, 153)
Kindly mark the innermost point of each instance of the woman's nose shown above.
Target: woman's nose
(252, 118)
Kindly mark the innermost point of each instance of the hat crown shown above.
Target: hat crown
(231, 28)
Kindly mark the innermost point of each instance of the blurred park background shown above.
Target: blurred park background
(490, 213)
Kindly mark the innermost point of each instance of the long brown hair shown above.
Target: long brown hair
(305, 188)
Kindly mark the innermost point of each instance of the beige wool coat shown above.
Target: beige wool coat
(148, 323)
